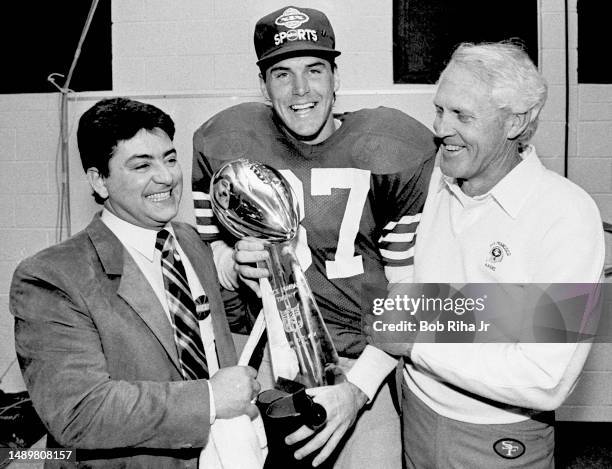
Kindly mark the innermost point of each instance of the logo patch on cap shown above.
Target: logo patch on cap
(509, 448)
(292, 18)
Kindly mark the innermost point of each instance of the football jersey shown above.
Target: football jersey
(361, 192)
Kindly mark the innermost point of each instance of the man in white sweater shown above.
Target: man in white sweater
(494, 214)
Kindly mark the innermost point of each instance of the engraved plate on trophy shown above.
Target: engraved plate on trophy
(250, 198)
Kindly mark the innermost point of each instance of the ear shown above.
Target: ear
(336, 80)
(97, 182)
(518, 123)
(263, 88)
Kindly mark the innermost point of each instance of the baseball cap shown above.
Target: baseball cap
(291, 32)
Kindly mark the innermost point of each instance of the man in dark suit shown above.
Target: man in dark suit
(114, 350)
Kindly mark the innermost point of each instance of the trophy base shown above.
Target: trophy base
(285, 409)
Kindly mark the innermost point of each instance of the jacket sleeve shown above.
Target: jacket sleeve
(66, 373)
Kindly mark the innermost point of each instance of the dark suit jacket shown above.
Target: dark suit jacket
(98, 356)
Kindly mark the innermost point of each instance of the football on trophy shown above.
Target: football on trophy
(253, 199)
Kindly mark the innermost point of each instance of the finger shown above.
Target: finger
(257, 414)
(317, 391)
(256, 388)
(250, 244)
(300, 434)
(229, 282)
(252, 272)
(250, 257)
(252, 411)
(328, 448)
(226, 284)
(251, 372)
(233, 281)
(317, 442)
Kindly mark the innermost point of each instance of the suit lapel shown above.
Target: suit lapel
(133, 287)
(202, 261)
(137, 292)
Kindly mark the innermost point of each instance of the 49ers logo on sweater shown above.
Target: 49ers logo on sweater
(291, 19)
(497, 252)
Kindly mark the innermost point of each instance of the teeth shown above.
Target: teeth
(452, 147)
(158, 197)
(300, 107)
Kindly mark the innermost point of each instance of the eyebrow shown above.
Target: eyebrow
(150, 157)
(318, 63)
(455, 109)
(278, 69)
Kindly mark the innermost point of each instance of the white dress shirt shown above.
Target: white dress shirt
(140, 244)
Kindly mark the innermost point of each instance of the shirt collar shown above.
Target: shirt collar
(513, 190)
(136, 237)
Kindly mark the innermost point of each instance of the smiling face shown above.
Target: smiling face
(145, 181)
(301, 90)
(475, 133)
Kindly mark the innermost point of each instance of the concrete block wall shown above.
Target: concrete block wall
(208, 44)
(29, 136)
(195, 57)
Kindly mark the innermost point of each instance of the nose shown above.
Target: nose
(441, 125)
(162, 174)
(300, 85)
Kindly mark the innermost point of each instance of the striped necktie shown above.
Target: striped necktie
(183, 310)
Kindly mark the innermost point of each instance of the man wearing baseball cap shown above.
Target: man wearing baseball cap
(361, 179)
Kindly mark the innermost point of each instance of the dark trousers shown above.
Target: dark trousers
(432, 441)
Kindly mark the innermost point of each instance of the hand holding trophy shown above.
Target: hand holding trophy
(251, 199)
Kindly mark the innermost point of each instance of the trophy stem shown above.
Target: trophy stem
(304, 295)
(301, 319)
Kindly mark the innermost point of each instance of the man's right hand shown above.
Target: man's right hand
(250, 251)
(234, 389)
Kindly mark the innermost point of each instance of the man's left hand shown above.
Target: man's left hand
(342, 403)
(380, 339)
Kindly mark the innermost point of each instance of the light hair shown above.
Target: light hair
(516, 84)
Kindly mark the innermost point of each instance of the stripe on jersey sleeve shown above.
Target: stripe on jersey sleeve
(397, 241)
(205, 221)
